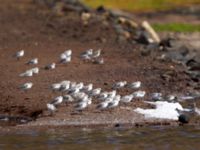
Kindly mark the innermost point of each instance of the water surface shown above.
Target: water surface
(151, 138)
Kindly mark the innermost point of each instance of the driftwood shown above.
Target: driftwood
(151, 31)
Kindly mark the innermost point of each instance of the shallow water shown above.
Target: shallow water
(152, 138)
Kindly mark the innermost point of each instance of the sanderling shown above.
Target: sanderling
(102, 105)
(73, 91)
(139, 94)
(113, 103)
(170, 98)
(117, 98)
(119, 85)
(96, 53)
(50, 66)
(99, 61)
(51, 108)
(65, 85)
(81, 106)
(66, 60)
(95, 92)
(85, 57)
(135, 85)
(19, 54)
(56, 86)
(80, 85)
(126, 98)
(68, 98)
(112, 94)
(103, 96)
(87, 88)
(68, 52)
(88, 52)
(56, 101)
(26, 86)
(79, 95)
(35, 70)
(28, 73)
(156, 96)
(89, 101)
(33, 61)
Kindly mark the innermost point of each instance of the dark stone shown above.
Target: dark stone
(101, 9)
(183, 119)
(117, 125)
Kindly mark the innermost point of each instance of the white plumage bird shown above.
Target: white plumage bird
(33, 61)
(119, 85)
(126, 98)
(139, 94)
(50, 66)
(68, 52)
(28, 73)
(95, 92)
(57, 101)
(19, 54)
(26, 86)
(87, 88)
(96, 53)
(135, 85)
(51, 108)
(81, 106)
(35, 70)
(56, 86)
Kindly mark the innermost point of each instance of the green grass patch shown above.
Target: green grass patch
(141, 5)
(176, 27)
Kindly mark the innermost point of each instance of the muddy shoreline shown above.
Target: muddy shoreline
(45, 33)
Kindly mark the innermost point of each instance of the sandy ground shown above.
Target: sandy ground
(45, 35)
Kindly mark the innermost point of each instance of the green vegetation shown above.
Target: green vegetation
(141, 5)
(177, 27)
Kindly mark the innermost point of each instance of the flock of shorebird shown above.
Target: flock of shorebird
(82, 94)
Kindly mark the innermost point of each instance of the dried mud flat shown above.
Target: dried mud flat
(45, 34)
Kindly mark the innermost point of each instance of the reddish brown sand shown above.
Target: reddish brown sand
(44, 35)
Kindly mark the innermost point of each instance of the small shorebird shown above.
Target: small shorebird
(33, 61)
(139, 94)
(103, 96)
(68, 98)
(102, 105)
(35, 70)
(51, 108)
(26, 86)
(87, 88)
(135, 85)
(95, 92)
(65, 85)
(56, 86)
(66, 60)
(81, 105)
(126, 98)
(68, 52)
(119, 85)
(112, 94)
(28, 73)
(50, 66)
(85, 57)
(79, 95)
(156, 96)
(96, 53)
(57, 101)
(113, 103)
(99, 61)
(19, 54)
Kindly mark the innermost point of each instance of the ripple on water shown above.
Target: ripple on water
(137, 138)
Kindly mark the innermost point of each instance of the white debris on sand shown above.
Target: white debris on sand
(163, 110)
